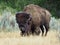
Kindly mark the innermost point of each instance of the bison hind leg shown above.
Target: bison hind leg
(47, 28)
(42, 29)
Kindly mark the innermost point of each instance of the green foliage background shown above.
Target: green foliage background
(17, 5)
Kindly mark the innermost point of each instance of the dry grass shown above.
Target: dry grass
(14, 38)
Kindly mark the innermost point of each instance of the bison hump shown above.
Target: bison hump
(36, 19)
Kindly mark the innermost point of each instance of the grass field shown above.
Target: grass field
(14, 38)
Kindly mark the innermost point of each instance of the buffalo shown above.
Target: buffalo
(33, 17)
(40, 17)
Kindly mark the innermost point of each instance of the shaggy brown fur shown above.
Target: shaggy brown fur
(40, 17)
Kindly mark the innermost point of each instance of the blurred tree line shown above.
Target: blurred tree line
(17, 5)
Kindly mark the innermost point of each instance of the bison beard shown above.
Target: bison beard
(40, 17)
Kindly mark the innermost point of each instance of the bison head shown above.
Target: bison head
(23, 20)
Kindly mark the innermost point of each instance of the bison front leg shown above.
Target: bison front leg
(22, 33)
